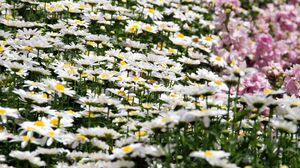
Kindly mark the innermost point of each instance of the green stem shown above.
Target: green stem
(228, 102)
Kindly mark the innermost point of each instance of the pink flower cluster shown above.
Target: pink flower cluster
(292, 80)
(270, 43)
(280, 26)
(255, 82)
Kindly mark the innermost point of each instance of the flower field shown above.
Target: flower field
(150, 83)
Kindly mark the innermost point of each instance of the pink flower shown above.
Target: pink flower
(273, 71)
(265, 112)
(286, 18)
(264, 51)
(291, 82)
(255, 82)
(294, 1)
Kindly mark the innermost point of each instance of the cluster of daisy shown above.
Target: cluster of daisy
(149, 83)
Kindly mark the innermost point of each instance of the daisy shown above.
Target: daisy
(121, 92)
(121, 152)
(209, 40)
(215, 158)
(99, 132)
(149, 28)
(257, 100)
(30, 156)
(49, 136)
(204, 74)
(212, 156)
(59, 87)
(167, 26)
(8, 112)
(39, 98)
(133, 27)
(180, 39)
(152, 13)
(217, 61)
(284, 125)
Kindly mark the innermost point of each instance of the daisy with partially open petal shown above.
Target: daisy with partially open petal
(49, 136)
(8, 112)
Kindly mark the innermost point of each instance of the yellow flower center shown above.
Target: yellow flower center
(119, 17)
(208, 153)
(51, 9)
(28, 48)
(123, 63)
(84, 75)
(25, 138)
(180, 35)
(140, 133)
(135, 26)
(104, 76)
(54, 121)
(173, 95)
(121, 92)
(171, 50)
(147, 105)
(79, 22)
(155, 86)
(81, 6)
(89, 114)
(120, 78)
(218, 82)
(208, 38)
(91, 43)
(151, 10)
(127, 149)
(8, 16)
(67, 65)
(45, 95)
(2, 49)
(132, 30)
(142, 83)
(71, 112)
(232, 62)
(2, 111)
(195, 39)
(149, 28)
(132, 112)
(51, 134)
(59, 87)
(217, 58)
(202, 47)
(30, 129)
(136, 78)
(267, 91)
(39, 123)
(81, 137)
